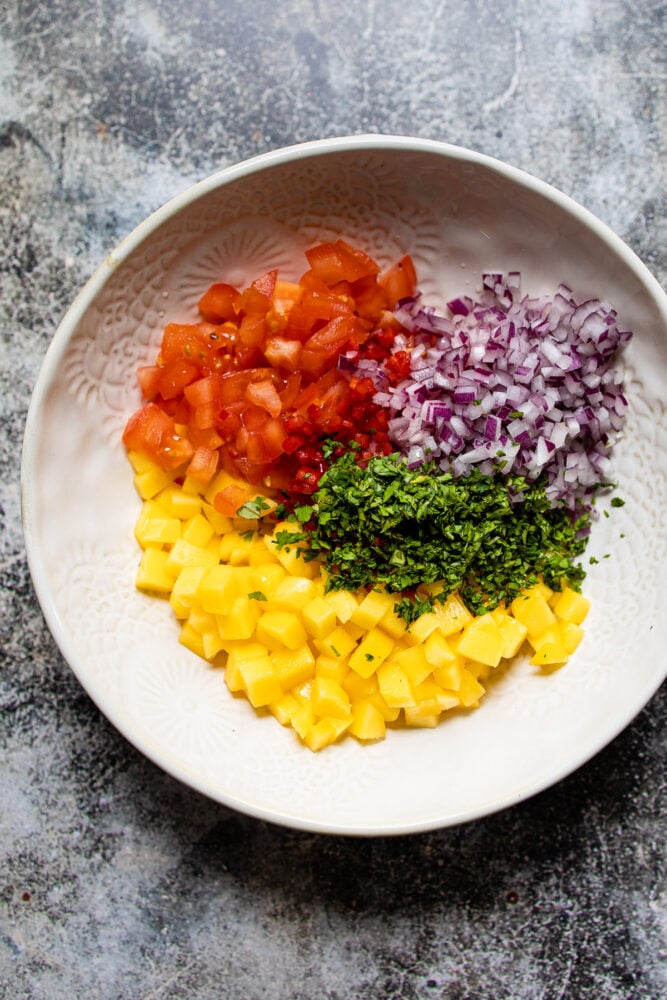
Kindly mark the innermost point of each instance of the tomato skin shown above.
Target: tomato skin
(153, 432)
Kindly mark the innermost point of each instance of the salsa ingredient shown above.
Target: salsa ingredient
(529, 384)
(326, 663)
(486, 537)
(268, 372)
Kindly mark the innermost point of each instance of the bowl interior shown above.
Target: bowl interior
(457, 214)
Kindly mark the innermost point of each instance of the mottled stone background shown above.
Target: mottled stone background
(115, 881)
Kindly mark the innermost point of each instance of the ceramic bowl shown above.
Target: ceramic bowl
(458, 214)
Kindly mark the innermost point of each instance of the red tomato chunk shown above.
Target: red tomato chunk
(256, 386)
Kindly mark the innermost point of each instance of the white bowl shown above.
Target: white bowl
(457, 213)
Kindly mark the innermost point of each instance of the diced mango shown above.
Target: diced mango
(329, 699)
(394, 685)
(533, 611)
(185, 554)
(452, 614)
(149, 483)
(470, 690)
(155, 575)
(372, 608)
(343, 602)
(198, 531)
(367, 722)
(329, 666)
(414, 663)
(422, 628)
(437, 650)
(319, 617)
(371, 652)
(293, 666)
(260, 682)
(482, 641)
(337, 644)
(324, 732)
(294, 592)
(281, 628)
(240, 620)
(217, 589)
(571, 606)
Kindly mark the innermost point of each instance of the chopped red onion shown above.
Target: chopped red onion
(504, 383)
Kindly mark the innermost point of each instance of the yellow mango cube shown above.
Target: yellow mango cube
(155, 527)
(149, 483)
(343, 602)
(329, 666)
(414, 663)
(337, 644)
(281, 628)
(197, 530)
(284, 708)
(192, 640)
(240, 620)
(570, 606)
(422, 628)
(470, 690)
(184, 591)
(329, 699)
(367, 722)
(293, 666)
(294, 592)
(393, 624)
(437, 650)
(319, 617)
(265, 578)
(185, 554)
(155, 575)
(217, 589)
(260, 682)
(449, 675)
(372, 609)
(421, 716)
(324, 732)
(371, 652)
(481, 641)
(359, 687)
(452, 615)
(513, 633)
(533, 611)
(394, 685)
(180, 504)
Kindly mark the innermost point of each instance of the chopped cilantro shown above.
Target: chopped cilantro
(247, 536)
(617, 502)
(369, 656)
(253, 508)
(487, 537)
(257, 595)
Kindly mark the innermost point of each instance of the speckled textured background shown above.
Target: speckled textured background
(115, 881)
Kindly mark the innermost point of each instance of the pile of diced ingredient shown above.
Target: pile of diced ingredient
(361, 508)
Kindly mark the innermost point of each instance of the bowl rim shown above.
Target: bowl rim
(67, 327)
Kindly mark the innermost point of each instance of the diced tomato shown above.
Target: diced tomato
(148, 380)
(264, 394)
(152, 431)
(283, 353)
(334, 262)
(175, 375)
(399, 281)
(220, 303)
(203, 465)
(230, 499)
(255, 386)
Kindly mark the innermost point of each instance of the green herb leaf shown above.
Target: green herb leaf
(257, 595)
(253, 508)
